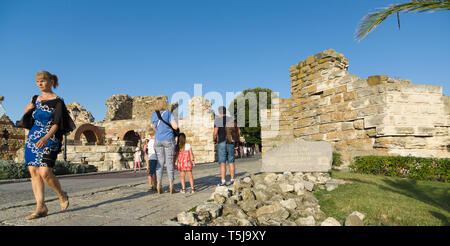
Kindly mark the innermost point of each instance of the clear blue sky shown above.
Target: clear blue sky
(100, 48)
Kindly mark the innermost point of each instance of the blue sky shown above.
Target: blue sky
(142, 48)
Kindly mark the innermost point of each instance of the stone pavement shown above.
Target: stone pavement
(128, 204)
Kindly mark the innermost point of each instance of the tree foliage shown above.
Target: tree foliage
(372, 20)
(247, 106)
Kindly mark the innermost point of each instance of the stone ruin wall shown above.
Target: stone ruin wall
(102, 144)
(374, 116)
(199, 128)
(16, 139)
(14, 142)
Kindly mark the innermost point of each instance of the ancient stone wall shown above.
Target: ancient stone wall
(103, 157)
(119, 107)
(12, 139)
(374, 116)
(124, 107)
(199, 128)
(82, 115)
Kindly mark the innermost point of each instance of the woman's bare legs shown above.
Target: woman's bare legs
(51, 180)
(37, 184)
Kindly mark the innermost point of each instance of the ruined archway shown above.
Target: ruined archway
(88, 137)
(131, 138)
(90, 133)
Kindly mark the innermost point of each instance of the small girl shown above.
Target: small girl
(184, 162)
(137, 159)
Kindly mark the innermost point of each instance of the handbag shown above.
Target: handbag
(27, 120)
(175, 132)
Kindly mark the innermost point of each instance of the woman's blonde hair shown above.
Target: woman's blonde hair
(161, 104)
(48, 76)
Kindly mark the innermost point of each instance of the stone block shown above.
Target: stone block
(337, 99)
(349, 96)
(324, 128)
(299, 156)
(374, 121)
(358, 124)
(350, 115)
(377, 79)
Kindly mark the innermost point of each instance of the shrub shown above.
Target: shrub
(63, 167)
(13, 170)
(337, 159)
(433, 169)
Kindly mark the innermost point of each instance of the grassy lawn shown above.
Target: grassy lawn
(388, 200)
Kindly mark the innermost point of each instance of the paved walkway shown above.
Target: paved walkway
(128, 204)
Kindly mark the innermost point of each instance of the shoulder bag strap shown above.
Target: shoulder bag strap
(161, 119)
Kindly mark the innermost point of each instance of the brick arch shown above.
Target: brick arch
(89, 129)
(124, 131)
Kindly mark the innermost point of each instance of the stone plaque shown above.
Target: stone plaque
(299, 156)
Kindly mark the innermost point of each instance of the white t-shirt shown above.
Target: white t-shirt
(187, 146)
(151, 150)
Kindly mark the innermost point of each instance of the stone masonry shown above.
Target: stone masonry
(12, 139)
(374, 116)
(110, 144)
(199, 129)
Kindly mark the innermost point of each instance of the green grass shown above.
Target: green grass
(388, 200)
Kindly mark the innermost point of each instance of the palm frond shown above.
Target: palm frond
(372, 20)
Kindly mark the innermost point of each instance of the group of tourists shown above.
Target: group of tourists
(48, 120)
(243, 151)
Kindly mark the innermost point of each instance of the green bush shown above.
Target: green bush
(432, 169)
(13, 170)
(337, 159)
(63, 167)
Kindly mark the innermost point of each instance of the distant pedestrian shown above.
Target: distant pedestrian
(185, 161)
(48, 120)
(164, 123)
(137, 158)
(225, 138)
(241, 151)
(152, 163)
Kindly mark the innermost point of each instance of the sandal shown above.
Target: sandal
(159, 190)
(192, 190)
(183, 191)
(172, 190)
(37, 215)
(64, 205)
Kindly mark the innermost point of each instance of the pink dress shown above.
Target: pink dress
(184, 159)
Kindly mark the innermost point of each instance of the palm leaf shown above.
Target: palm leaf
(372, 20)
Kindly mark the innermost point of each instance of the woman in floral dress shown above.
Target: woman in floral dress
(50, 122)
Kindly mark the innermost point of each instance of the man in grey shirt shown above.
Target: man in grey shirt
(225, 149)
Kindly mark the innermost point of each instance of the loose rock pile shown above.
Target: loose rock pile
(268, 199)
